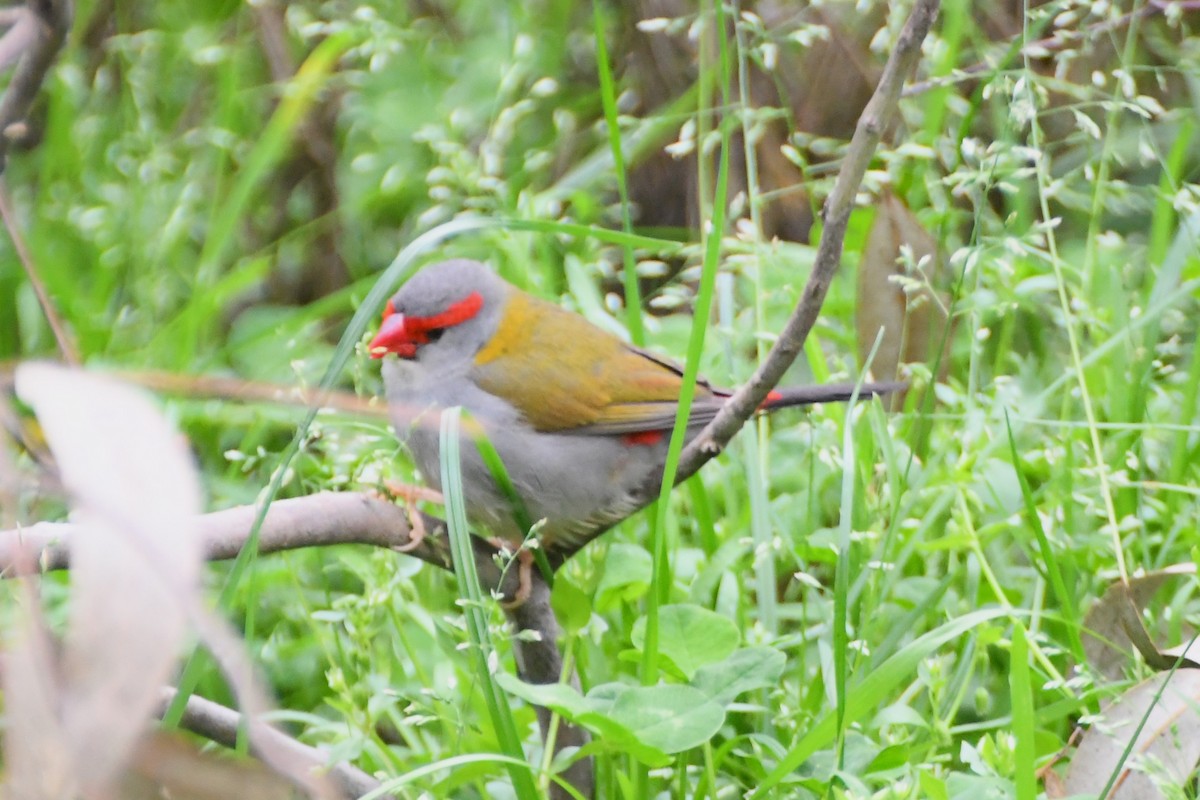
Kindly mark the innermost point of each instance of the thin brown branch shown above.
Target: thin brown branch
(223, 387)
(318, 520)
(876, 117)
(241, 390)
(21, 36)
(66, 345)
(49, 23)
(219, 724)
(32, 42)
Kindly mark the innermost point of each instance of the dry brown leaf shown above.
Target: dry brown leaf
(37, 766)
(130, 478)
(277, 752)
(1114, 625)
(914, 321)
(167, 766)
(1166, 749)
(1190, 652)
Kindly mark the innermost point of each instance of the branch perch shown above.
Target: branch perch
(219, 724)
(321, 519)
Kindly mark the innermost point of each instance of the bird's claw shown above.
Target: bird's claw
(525, 563)
(409, 495)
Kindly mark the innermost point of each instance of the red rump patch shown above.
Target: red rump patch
(772, 398)
(644, 437)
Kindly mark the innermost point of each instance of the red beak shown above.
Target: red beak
(392, 338)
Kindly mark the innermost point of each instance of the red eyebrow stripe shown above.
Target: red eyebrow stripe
(458, 312)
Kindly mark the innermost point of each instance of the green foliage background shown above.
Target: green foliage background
(157, 206)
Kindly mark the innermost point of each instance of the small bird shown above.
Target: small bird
(580, 418)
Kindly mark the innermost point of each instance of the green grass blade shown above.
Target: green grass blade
(472, 601)
(608, 95)
(495, 465)
(702, 311)
(765, 578)
(1021, 691)
(457, 762)
(841, 585)
(873, 690)
(1053, 571)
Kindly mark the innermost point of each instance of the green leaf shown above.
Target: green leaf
(670, 718)
(559, 697)
(648, 722)
(744, 670)
(571, 605)
(603, 697)
(591, 712)
(627, 572)
(691, 636)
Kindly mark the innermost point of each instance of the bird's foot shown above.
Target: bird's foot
(410, 495)
(525, 564)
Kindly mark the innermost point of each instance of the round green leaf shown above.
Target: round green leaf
(627, 570)
(571, 605)
(669, 718)
(691, 636)
(746, 669)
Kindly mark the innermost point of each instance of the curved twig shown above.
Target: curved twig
(32, 42)
(876, 117)
(219, 724)
(35, 35)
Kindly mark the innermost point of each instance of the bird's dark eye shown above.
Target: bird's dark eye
(435, 334)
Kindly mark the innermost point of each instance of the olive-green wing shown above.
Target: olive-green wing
(565, 374)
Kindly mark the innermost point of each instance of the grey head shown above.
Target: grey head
(450, 310)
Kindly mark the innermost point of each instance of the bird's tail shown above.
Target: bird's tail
(826, 393)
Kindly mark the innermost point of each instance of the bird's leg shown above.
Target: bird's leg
(524, 558)
(410, 495)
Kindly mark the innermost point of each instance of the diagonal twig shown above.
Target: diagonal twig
(220, 724)
(35, 35)
(876, 117)
(32, 42)
(66, 345)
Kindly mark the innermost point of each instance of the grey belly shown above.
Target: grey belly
(579, 485)
(575, 486)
